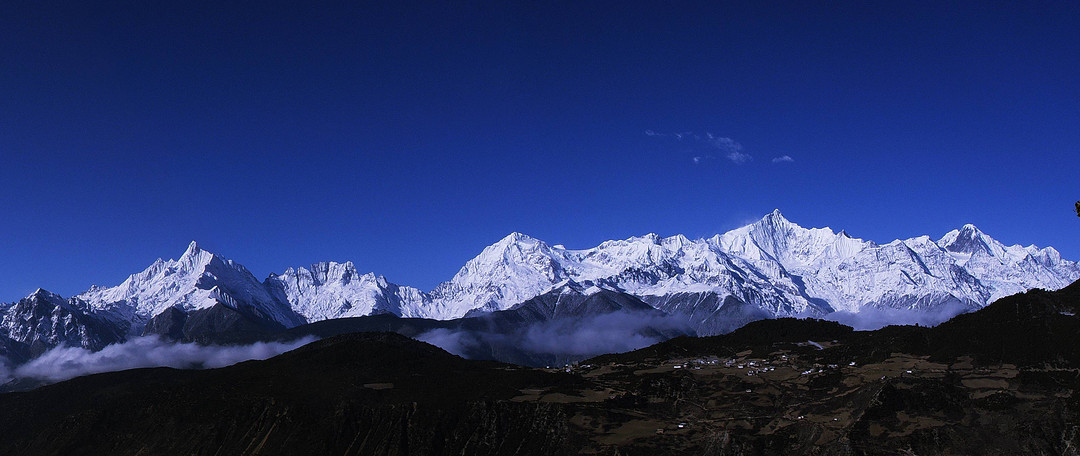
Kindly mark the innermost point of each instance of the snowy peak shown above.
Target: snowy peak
(43, 298)
(334, 272)
(773, 263)
(772, 267)
(326, 273)
(1004, 269)
(676, 242)
(42, 294)
(44, 319)
(514, 255)
(771, 234)
(775, 238)
(195, 257)
(515, 248)
(337, 290)
(515, 268)
(774, 233)
(197, 280)
(640, 251)
(970, 240)
(1048, 256)
(514, 245)
(775, 219)
(192, 249)
(514, 238)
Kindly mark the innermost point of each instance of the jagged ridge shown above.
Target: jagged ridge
(771, 268)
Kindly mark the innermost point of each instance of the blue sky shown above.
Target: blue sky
(407, 138)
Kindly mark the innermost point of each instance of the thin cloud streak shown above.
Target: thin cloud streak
(591, 335)
(677, 136)
(870, 319)
(63, 363)
(783, 159)
(739, 157)
(730, 148)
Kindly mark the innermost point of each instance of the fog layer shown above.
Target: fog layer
(62, 363)
(572, 337)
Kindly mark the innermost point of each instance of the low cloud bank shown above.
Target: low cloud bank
(5, 371)
(566, 337)
(871, 318)
(460, 342)
(62, 363)
(606, 333)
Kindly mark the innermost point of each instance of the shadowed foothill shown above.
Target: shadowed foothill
(1001, 380)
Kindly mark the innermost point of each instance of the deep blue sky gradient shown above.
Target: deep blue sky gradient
(407, 138)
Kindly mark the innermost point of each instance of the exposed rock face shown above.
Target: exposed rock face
(44, 320)
(216, 324)
(12, 351)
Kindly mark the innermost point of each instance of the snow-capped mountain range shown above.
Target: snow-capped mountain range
(771, 268)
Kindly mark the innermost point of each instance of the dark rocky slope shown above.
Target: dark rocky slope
(375, 393)
(1003, 380)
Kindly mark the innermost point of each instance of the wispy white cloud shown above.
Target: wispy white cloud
(870, 318)
(739, 157)
(783, 159)
(679, 136)
(699, 159)
(62, 363)
(730, 148)
(614, 332)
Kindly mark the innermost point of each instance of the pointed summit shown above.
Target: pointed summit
(512, 242)
(968, 239)
(197, 280)
(774, 222)
(775, 215)
(514, 238)
(195, 257)
(44, 294)
(775, 219)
